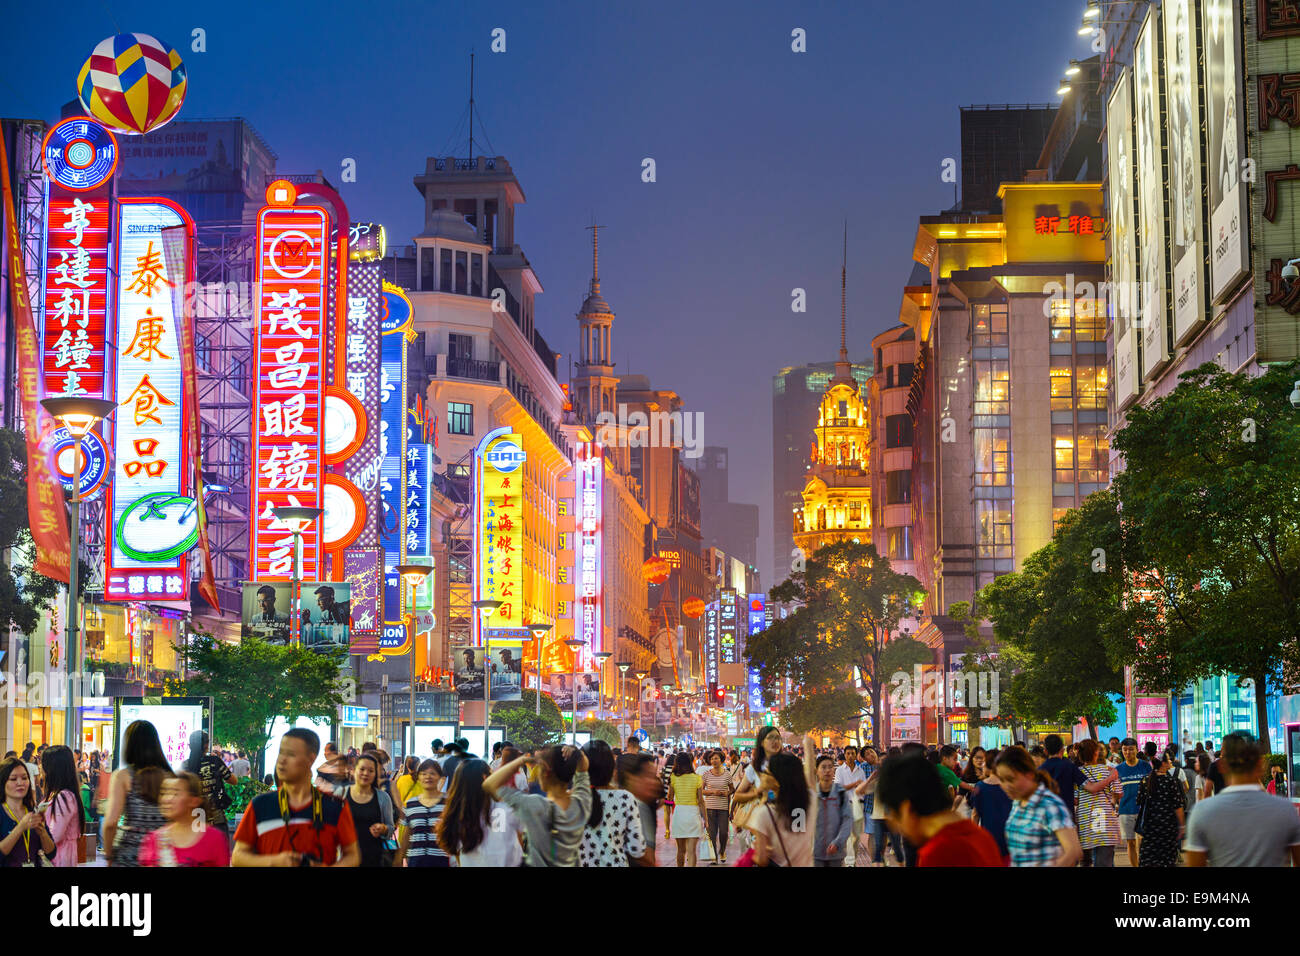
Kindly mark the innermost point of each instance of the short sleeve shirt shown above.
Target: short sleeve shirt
(617, 836)
(1244, 826)
(684, 788)
(264, 828)
(1130, 780)
(1031, 828)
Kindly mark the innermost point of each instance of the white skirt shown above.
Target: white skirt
(687, 822)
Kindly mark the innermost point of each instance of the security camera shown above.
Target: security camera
(1289, 272)
(1295, 396)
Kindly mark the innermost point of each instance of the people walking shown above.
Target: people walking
(1095, 813)
(474, 830)
(687, 790)
(1243, 825)
(63, 801)
(1162, 806)
(25, 839)
(1040, 830)
(613, 833)
(420, 844)
(990, 805)
(214, 773)
(917, 804)
(719, 784)
(785, 824)
(133, 794)
(185, 840)
(553, 823)
(638, 775)
(834, 816)
(372, 813)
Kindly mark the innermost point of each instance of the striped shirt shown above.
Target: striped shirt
(723, 783)
(1031, 828)
(1097, 816)
(423, 824)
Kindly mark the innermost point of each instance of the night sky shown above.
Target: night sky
(760, 152)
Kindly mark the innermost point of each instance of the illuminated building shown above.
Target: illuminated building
(1007, 403)
(891, 461)
(836, 503)
(622, 516)
(797, 393)
(479, 364)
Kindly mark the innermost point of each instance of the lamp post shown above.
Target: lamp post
(575, 643)
(539, 632)
(78, 415)
(601, 658)
(623, 668)
(413, 575)
(640, 676)
(664, 688)
(485, 608)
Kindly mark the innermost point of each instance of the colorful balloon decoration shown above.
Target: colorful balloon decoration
(693, 607)
(132, 83)
(656, 569)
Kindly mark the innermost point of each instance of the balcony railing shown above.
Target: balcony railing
(474, 369)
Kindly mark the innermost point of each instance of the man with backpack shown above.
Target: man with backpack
(834, 816)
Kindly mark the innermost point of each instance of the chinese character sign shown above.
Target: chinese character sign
(392, 451)
(293, 246)
(727, 647)
(499, 525)
(76, 292)
(589, 591)
(711, 645)
(151, 521)
(361, 369)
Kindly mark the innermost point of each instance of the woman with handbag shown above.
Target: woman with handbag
(750, 792)
(474, 829)
(785, 824)
(372, 812)
(1161, 808)
(133, 794)
(63, 796)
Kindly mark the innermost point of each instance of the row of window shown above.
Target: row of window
(451, 271)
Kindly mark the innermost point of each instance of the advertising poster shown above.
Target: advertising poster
(467, 662)
(1153, 246)
(506, 660)
(325, 612)
(560, 687)
(588, 690)
(1186, 205)
(1125, 301)
(175, 718)
(1225, 145)
(266, 612)
(362, 574)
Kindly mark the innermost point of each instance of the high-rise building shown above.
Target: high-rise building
(728, 525)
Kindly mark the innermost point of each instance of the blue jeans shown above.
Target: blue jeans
(880, 831)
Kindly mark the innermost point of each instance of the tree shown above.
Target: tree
(1210, 485)
(849, 601)
(989, 668)
(24, 594)
(822, 710)
(525, 729)
(1056, 618)
(251, 683)
(601, 730)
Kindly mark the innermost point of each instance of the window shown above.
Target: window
(898, 431)
(427, 262)
(992, 457)
(444, 273)
(843, 410)
(203, 351)
(990, 326)
(1060, 314)
(993, 529)
(905, 371)
(1063, 453)
(1058, 515)
(460, 418)
(1094, 454)
(462, 273)
(1089, 321)
(1062, 390)
(240, 369)
(993, 387)
(476, 274)
(900, 543)
(1091, 381)
(238, 459)
(458, 471)
(855, 511)
(898, 487)
(460, 346)
(889, 377)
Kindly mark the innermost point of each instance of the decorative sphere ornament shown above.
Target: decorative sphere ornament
(132, 83)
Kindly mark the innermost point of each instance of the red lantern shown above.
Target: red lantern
(693, 607)
(656, 569)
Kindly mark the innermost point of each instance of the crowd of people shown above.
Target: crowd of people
(602, 806)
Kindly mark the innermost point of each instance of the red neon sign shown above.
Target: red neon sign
(293, 245)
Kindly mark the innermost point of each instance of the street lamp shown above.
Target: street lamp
(485, 609)
(575, 643)
(539, 631)
(78, 415)
(413, 575)
(667, 688)
(640, 676)
(601, 658)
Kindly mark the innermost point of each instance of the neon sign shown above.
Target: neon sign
(590, 593)
(499, 527)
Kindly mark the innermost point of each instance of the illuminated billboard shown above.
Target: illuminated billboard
(1186, 204)
(395, 325)
(590, 586)
(152, 524)
(499, 526)
(1125, 302)
(1152, 245)
(293, 246)
(1225, 145)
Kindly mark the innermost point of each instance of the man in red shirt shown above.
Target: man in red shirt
(296, 825)
(918, 806)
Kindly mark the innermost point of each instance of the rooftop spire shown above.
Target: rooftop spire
(595, 258)
(843, 369)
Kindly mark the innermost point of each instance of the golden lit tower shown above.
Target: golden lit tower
(837, 494)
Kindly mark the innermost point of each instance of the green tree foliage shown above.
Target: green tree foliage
(252, 682)
(527, 730)
(1058, 618)
(1210, 487)
(24, 594)
(903, 653)
(849, 601)
(823, 710)
(601, 730)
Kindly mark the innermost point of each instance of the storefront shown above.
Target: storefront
(1210, 709)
